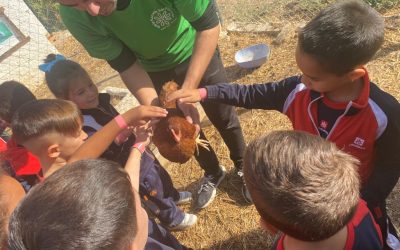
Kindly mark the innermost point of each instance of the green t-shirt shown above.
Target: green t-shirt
(157, 31)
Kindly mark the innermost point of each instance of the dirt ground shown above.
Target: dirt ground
(227, 223)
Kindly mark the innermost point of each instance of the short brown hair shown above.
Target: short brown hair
(88, 204)
(37, 118)
(302, 184)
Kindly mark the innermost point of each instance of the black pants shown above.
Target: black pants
(222, 116)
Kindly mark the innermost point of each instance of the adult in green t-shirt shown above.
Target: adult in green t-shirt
(150, 42)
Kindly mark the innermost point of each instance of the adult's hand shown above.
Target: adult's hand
(191, 114)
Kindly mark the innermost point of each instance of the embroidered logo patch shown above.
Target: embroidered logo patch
(162, 18)
(358, 143)
(324, 124)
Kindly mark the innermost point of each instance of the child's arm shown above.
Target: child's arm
(101, 140)
(386, 166)
(262, 96)
(132, 166)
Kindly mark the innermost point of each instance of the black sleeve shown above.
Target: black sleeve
(257, 96)
(125, 59)
(386, 170)
(208, 20)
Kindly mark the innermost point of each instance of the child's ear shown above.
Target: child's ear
(356, 74)
(53, 151)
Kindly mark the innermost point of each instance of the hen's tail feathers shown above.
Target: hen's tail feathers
(202, 143)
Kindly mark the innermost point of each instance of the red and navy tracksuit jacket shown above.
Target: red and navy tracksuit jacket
(368, 128)
(20, 164)
(362, 232)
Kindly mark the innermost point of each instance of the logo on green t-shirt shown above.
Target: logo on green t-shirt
(162, 18)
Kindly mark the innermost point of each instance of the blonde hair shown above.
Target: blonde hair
(302, 184)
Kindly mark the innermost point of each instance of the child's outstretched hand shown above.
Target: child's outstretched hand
(142, 114)
(185, 96)
(143, 133)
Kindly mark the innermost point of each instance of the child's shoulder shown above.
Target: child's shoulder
(385, 101)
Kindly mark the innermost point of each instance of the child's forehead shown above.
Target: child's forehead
(81, 80)
(310, 65)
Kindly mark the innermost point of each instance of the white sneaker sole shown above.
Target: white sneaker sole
(185, 201)
(182, 228)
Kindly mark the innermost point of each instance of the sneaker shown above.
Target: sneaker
(245, 191)
(188, 221)
(208, 189)
(184, 197)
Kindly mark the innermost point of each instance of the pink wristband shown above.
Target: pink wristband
(203, 93)
(120, 121)
(140, 146)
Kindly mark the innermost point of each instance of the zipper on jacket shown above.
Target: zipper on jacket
(339, 118)
(310, 114)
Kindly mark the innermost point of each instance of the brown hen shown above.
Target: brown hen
(174, 136)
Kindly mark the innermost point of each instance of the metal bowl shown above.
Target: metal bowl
(253, 56)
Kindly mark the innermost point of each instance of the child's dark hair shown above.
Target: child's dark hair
(40, 117)
(62, 74)
(343, 36)
(301, 184)
(13, 94)
(88, 204)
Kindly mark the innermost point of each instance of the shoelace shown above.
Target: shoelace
(206, 185)
(240, 173)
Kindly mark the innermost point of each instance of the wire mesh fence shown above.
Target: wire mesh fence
(25, 26)
(282, 11)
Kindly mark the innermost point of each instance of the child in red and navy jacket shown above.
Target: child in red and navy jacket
(334, 98)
